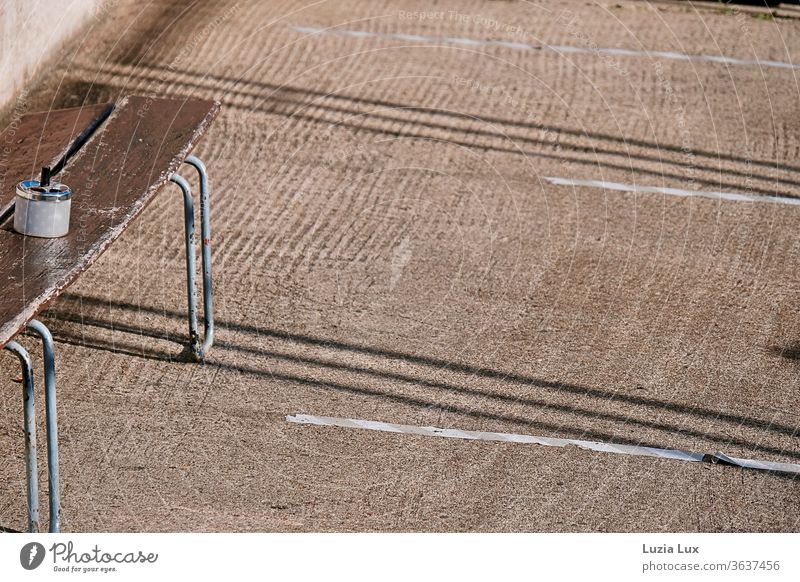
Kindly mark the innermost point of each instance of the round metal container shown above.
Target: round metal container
(42, 210)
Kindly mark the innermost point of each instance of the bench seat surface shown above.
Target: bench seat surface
(41, 139)
(113, 177)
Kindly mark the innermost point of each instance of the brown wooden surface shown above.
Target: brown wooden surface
(113, 177)
(40, 139)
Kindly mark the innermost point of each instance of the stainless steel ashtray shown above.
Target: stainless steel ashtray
(42, 208)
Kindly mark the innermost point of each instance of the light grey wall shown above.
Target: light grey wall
(31, 32)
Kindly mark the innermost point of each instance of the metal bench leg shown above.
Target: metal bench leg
(198, 351)
(205, 234)
(51, 417)
(30, 434)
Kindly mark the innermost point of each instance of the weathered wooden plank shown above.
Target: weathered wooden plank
(41, 139)
(113, 178)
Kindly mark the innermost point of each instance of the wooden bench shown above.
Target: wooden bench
(118, 157)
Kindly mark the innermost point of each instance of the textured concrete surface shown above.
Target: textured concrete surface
(386, 248)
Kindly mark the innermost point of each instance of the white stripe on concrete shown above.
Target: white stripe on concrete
(756, 464)
(600, 447)
(737, 197)
(563, 49)
(493, 436)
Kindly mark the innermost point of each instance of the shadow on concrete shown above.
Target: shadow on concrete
(86, 341)
(293, 103)
(789, 351)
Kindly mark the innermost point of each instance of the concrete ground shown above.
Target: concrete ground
(386, 248)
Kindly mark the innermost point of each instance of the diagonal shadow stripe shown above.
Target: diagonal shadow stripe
(407, 126)
(417, 402)
(301, 93)
(439, 364)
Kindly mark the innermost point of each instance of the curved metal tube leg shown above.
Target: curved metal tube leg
(188, 217)
(30, 434)
(198, 351)
(49, 357)
(205, 233)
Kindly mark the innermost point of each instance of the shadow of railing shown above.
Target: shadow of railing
(281, 101)
(441, 365)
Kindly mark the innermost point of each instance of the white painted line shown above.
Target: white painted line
(493, 436)
(563, 49)
(506, 437)
(671, 191)
(756, 464)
